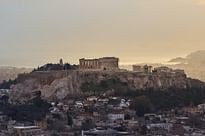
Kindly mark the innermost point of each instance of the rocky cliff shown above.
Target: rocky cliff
(59, 84)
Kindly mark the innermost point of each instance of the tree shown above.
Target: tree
(105, 85)
(69, 119)
(195, 122)
(127, 117)
(143, 130)
(141, 105)
(6, 84)
(87, 124)
(4, 99)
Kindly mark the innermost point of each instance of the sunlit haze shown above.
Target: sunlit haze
(34, 32)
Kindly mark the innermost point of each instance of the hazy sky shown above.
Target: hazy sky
(33, 32)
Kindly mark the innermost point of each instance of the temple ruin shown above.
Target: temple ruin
(105, 63)
(144, 69)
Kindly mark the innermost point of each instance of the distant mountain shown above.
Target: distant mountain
(193, 64)
(179, 59)
(7, 73)
(197, 58)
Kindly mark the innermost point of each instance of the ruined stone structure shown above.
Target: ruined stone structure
(144, 69)
(105, 63)
(170, 71)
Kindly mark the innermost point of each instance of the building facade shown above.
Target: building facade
(105, 63)
(27, 131)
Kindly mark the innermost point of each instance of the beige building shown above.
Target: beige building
(27, 131)
(105, 63)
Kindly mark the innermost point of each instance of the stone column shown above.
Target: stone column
(88, 64)
(85, 64)
(95, 64)
(81, 63)
(91, 64)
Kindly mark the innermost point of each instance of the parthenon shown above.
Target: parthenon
(105, 63)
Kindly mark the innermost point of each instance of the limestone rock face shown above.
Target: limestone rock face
(60, 88)
(22, 91)
(141, 81)
(69, 83)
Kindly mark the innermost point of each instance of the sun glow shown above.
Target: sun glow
(200, 2)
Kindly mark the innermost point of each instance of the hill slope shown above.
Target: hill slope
(57, 85)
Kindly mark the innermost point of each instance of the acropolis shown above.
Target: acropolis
(105, 63)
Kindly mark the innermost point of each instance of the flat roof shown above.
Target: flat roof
(26, 127)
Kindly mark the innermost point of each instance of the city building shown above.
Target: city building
(27, 131)
(116, 116)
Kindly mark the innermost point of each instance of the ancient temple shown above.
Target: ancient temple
(105, 63)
